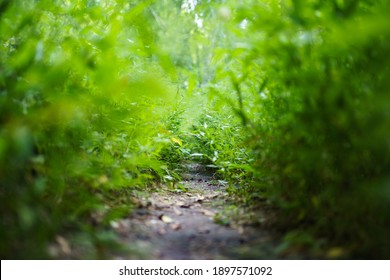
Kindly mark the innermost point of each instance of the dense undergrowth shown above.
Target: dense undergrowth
(82, 118)
(318, 119)
(285, 100)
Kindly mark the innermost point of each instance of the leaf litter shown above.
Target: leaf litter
(184, 225)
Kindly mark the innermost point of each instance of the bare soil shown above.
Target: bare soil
(196, 220)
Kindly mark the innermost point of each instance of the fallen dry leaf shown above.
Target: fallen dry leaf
(208, 213)
(179, 203)
(175, 226)
(177, 211)
(166, 219)
(212, 196)
(64, 245)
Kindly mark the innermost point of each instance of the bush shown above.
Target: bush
(82, 117)
(317, 73)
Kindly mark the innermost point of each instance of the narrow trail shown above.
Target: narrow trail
(181, 225)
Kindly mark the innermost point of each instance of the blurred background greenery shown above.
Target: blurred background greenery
(286, 100)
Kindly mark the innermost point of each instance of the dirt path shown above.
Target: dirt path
(181, 224)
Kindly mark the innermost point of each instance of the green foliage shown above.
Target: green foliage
(318, 113)
(285, 100)
(83, 106)
(216, 140)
